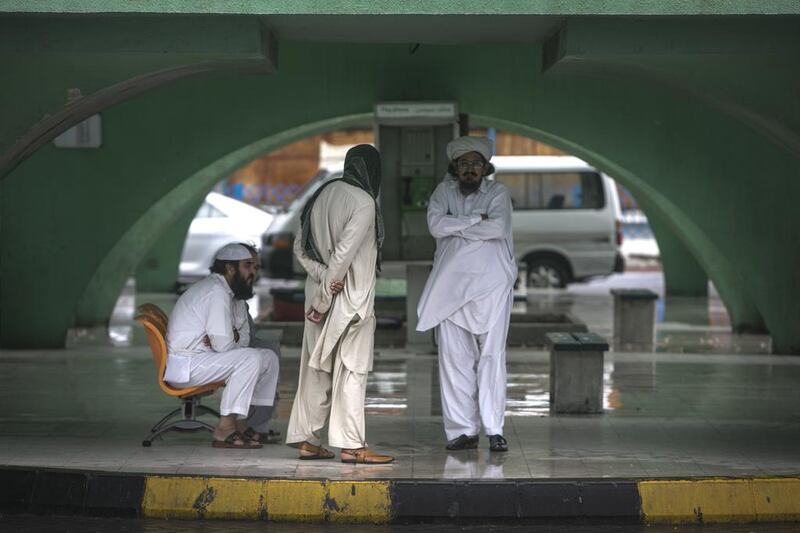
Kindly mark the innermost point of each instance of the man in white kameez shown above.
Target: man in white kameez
(207, 341)
(339, 246)
(469, 294)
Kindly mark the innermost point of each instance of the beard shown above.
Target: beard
(469, 187)
(242, 289)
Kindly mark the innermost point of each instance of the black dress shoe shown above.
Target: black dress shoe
(463, 442)
(497, 443)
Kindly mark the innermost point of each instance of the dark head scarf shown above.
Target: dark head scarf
(362, 169)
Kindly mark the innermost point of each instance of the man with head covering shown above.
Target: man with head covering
(341, 233)
(469, 294)
(208, 338)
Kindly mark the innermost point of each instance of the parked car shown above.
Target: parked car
(566, 220)
(219, 221)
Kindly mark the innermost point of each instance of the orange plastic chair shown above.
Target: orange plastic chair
(156, 312)
(155, 323)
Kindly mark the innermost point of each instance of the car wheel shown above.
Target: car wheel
(546, 272)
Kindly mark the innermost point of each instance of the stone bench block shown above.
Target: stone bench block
(634, 319)
(576, 372)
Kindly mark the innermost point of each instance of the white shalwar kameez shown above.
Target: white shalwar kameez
(337, 353)
(469, 295)
(208, 308)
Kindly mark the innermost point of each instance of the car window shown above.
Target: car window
(209, 211)
(554, 190)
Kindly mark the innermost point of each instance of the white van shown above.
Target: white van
(566, 220)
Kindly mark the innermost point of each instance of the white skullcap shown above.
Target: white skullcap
(233, 252)
(463, 145)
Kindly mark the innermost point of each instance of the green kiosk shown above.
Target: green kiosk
(412, 138)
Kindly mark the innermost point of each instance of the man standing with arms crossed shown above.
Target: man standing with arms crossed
(341, 235)
(469, 294)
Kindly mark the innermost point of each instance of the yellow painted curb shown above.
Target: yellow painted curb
(296, 501)
(254, 499)
(359, 501)
(172, 497)
(777, 499)
(720, 500)
(237, 499)
(197, 497)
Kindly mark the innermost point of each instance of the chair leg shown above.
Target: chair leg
(161, 422)
(189, 410)
(177, 425)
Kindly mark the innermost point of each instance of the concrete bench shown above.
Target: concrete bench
(576, 372)
(634, 319)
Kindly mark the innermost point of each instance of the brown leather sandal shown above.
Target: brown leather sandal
(364, 456)
(236, 441)
(317, 452)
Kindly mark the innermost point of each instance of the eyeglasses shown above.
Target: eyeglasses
(465, 164)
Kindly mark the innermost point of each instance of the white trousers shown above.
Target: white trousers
(319, 394)
(472, 375)
(250, 376)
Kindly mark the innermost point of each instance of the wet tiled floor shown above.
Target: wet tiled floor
(707, 403)
(666, 416)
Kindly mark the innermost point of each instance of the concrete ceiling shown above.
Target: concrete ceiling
(424, 29)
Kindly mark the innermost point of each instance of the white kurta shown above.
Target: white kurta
(473, 267)
(208, 308)
(469, 295)
(337, 354)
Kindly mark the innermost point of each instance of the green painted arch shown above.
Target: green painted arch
(51, 126)
(646, 129)
(741, 307)
(258, 148)
(99, 296)
(104, 63)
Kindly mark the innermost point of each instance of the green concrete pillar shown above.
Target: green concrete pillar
(683, 275)
(67, 202)
(721, 138)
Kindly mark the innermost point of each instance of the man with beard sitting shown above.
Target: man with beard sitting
(208, 339)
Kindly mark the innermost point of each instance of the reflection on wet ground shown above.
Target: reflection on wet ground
(683, 325)
(710, 411)
(667, 415)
